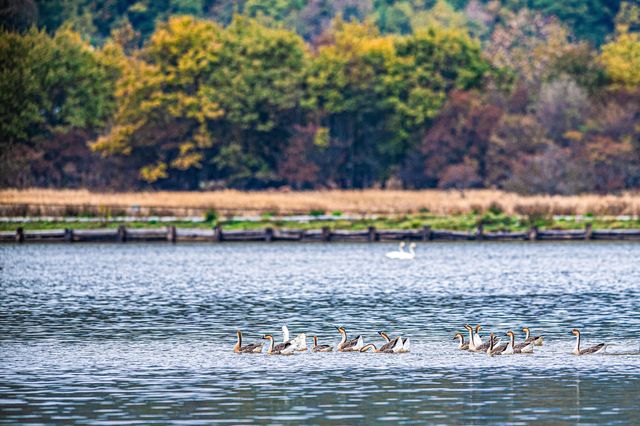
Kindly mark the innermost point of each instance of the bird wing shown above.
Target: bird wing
(251, 347)
(592, 349)
(389, 345)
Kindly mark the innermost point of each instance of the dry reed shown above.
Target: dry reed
(348, 202)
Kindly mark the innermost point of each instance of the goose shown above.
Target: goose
(477, 339)
(395, 253)
(353, 345)
(462, 345)
(390, 343)
(493, 349)
(537, 340)
(286, 348)
(592, 350)
(253, 348)
(396, 349)
(521, 348)
(403, 254)
(320, 348)
(300, 342)
(472, 346)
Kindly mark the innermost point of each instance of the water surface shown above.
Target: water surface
(142, 333)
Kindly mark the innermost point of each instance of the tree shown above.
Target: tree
(201, 102)
(621, 59)
(49, 87)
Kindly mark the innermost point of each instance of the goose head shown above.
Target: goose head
(384, 335)
(478, 328)
(341, 329)
(267, 337)
(575, 332)
(510, 333)
(458, 336)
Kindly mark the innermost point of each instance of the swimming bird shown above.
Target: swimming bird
(589, 351)
(493, 349)
(400, 251)
(403, 254)
(390, 343)
(477, 339)
(537, 340)
(521, 348)
(320, 348)
(300, 341)
(462, 345)
(252, 348)
(353, 345)
(397, 348)
(472, 346)
(280, 349)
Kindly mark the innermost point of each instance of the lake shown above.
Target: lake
(143, 333)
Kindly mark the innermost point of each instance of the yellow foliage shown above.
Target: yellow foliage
(573, 135)
(621, 59)
(155, 172)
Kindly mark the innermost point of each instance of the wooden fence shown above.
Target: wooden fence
(218, 234)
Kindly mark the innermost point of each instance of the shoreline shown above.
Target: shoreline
(217, 234)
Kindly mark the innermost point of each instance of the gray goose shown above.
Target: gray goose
(320, 348)
(345, 345)
(588, 351)
(462, 345)
(252, 348)
(493, 349)
(286, 348)
(537, 340)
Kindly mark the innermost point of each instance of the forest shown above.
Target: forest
(531, 96)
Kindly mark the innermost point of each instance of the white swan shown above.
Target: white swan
(403, 254)
(395, 253)
(300, 341)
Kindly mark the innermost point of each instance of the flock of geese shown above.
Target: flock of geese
(299, 344)
(399, 344)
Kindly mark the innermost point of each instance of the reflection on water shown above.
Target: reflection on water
(107, 333)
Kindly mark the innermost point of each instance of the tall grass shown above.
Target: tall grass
(47, 201)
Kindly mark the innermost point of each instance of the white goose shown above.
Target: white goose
(299, 343)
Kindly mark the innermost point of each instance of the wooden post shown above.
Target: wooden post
(171, 234)
(373, 235)
(588, 231)
(533, 233)
(326, 234)
(217, 233)
(426, 233)
(268, 234)
(68, 235)
(122, 234)
(480, 232)
(20, 234)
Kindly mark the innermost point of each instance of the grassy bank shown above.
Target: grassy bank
(435, 202)
(463, 222)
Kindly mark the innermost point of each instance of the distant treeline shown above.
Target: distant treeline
(533, 96)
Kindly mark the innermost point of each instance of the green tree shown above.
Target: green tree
(200, 102)
(50, 86)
